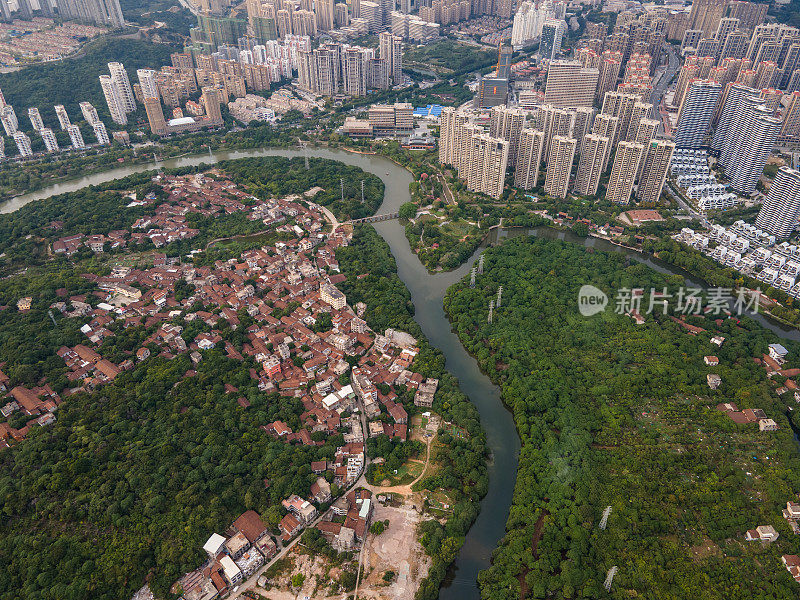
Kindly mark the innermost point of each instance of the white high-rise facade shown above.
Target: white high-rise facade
(116, 106)
(147, 79)
(559, 166)
(754, 145)
(590, 165)
(528, 22)
(623, 173)
(730, 111)
(23, 143)
(63, 117)
(747, 138)
(390, 49)
(75, 137)
(481, 160)
(124, 90)
(652, 175)
(606, 126)
(487, 159)
(696, 113)
(529, 158)
(507, 124)
(36, 119)
(781, 209)
(49, 139)
(100, 133)
(569, 84)
(89, 112)
(9, 120)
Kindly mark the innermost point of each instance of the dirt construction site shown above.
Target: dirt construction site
(397, 549)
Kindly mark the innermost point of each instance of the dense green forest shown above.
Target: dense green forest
(463, 468)
(75, 80)
(145, 13)
(130, 480)
(615, 414)
(290, 176)
(451, 57)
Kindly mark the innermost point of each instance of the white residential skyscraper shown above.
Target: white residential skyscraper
(9, 120)
(390, 49)
(755, 145)
(99, 12)
(120, 78)
(23, 143)
(147, 79)
(696, 113)
(36, 119)
(559, 166)
(748, 141)
(529, 158)
(781, 209)
(730, 107)
(89, 112)
(75, 137)
(623, 173)
(590, 165)
(63, 117)
(528, 22)
(115, 104)
(486, 164)
(507, 124)
(481, 159)
(100, 133)
(49, 139)
(652, 175)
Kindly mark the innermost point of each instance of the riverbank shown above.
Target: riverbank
(601, 404)
(426, 295)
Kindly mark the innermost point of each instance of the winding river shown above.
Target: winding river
(427, 292)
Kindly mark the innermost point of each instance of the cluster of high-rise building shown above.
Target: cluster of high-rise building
(121, 98)
(22, 140)
(767, 57)
(229, 71)
(541, 143)
(274, 19)
(631, 51)
(522, 140)
(633, 34)
(529, 21)
(118, 93)
(413, 27)
(730, 89)
(340, 69)
(98, 12)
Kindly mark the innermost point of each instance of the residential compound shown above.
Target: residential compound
(734, 99)
(304, 341)
(340, 69)
(736, 94)
(521, 140)
(98, 12)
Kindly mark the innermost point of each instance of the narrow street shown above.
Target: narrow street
(252, 581)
